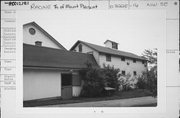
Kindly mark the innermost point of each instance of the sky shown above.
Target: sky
(134, 30)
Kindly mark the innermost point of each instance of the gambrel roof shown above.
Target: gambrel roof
(107, 50)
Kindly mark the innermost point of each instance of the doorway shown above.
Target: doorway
(66, 83)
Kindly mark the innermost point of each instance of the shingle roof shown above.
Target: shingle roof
(46, 33)
(107, 50)
(35, 56)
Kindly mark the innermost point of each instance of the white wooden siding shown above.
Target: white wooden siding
(76, 90)
(86, 49)
(39, 84)
(108, 44)
(38, 36)
(122, 65)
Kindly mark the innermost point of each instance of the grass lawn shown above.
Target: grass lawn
(118, 95)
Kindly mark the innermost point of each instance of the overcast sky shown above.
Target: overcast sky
(134, 30)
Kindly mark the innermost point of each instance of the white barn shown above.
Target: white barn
(50, 71)
(128, 63)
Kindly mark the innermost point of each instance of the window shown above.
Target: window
(145, 64)
(32, 31)
(108, 57)
(127, 63)
(80, 48)
(134, 60)
(76, 81)
(114, 45)
(123, 72)
(122, 58)
(66, 79)
(135, 73)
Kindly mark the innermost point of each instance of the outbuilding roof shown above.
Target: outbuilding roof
(36, 56)
(107, 50)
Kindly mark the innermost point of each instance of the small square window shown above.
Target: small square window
(145, 65)
(114, 45)
(122, 58)
(76, 80)
(123, 72)
(134, 60)
(108, 57)
(135, 73)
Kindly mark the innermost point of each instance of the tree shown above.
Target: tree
(111, 75)
(150, 77)
(151, 56)
(96, 79)
(93, 81)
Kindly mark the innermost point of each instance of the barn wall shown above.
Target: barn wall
(38, 36)
(39, 84)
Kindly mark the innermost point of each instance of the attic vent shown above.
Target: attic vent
(32, 31)
(38, 43)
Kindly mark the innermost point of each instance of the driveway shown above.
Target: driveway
(140, 101)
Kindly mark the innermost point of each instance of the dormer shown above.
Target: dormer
(111, 44)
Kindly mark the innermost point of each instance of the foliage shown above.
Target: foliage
(150, 55)
(148, 80)
(125, 82)
(142, 81)
(96, 79)
(93, 82)
(111, 76)
(152, 81)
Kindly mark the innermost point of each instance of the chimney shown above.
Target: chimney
(111, 44)
(38, 43)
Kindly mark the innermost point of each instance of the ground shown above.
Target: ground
(131, 102)
(114, 100)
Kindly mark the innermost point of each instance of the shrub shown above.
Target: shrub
(93, 82)
(148, 81)
(125, 82)
(96, 79)
(142, 82)
(152, 81)
(111, 75)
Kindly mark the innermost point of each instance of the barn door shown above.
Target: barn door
(66, 88)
